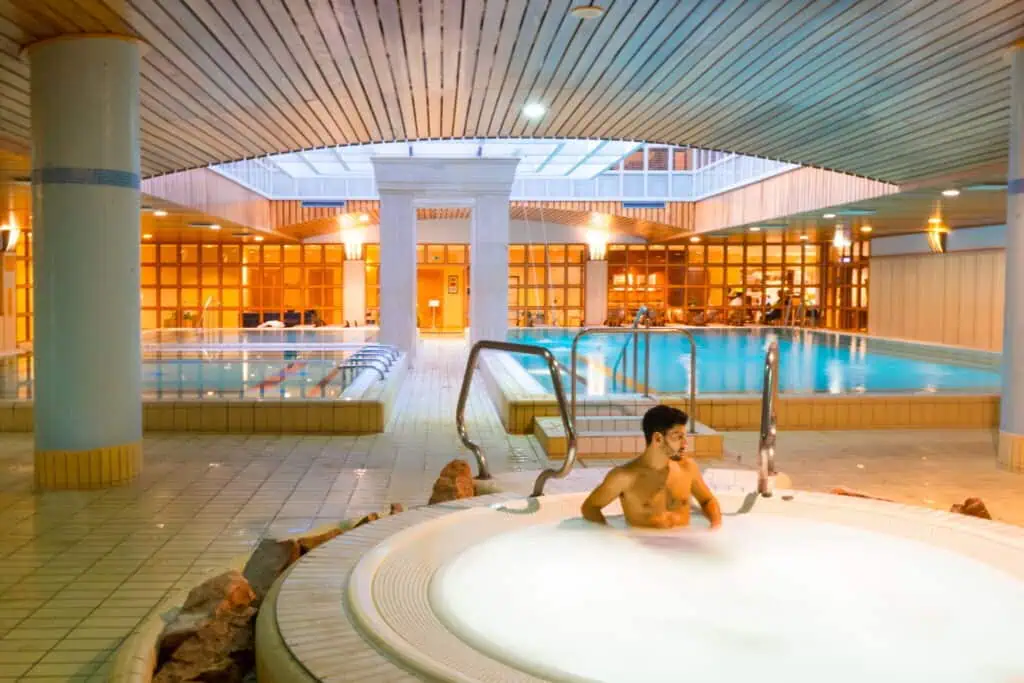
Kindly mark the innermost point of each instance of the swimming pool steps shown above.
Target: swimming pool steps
(603, 437)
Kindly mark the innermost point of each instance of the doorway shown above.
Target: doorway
(442, 276)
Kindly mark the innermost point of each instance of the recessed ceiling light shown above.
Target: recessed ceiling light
(828, 215)
(951, 193)
(866, 228)
(935, 220)
(147, 236)
(534, 110)
(804, 237)
(755, 228)
(214, 226)
(695, 239)
(587, 11)
(159, 213)
(258, 238)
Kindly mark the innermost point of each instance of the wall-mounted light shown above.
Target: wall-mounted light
(159, 213)
(952, 192)
(840, 240)
(351, 236)
(695, 240)
(9, 234)
(866, 228)
(937, 241)
(597, 241)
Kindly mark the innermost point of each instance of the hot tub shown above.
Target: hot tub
(798, 587)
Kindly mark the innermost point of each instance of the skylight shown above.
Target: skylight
(573, 159)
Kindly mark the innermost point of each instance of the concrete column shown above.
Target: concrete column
(354, 291)
(488, 268)
(398, 271)
(85, 196)
(1011, 422)
(596, 295)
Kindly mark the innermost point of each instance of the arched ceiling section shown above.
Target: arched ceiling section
(889, 89)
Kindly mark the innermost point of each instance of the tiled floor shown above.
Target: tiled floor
(79, 570)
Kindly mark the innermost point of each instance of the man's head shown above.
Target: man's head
(665, 427)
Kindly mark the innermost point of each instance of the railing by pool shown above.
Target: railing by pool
(769, 421)
(483, 470)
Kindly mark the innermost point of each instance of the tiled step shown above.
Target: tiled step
(603, 437)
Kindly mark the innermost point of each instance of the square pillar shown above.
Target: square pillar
(488, 279)
(596, 294)
(354, 291)
(398, 271)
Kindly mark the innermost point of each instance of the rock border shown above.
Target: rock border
(137, 656)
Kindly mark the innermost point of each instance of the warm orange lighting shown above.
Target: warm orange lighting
(147, 236)
(804, 237)
(866, 228)
(364, 218)
(937, 241)
(695, 239)
(597, 240)
(935, 220)
(159, 213)
(215, 226)
(755, 228)
(258, 238)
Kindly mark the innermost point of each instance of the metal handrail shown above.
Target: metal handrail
(766, 442)
(484, 471)
(640, 314)
(346, 364)
(647, 363)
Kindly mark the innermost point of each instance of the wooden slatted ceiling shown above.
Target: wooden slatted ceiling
(287, 213)
(324, 221)
(888, 89)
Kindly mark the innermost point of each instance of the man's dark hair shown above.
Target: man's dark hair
(662, 418)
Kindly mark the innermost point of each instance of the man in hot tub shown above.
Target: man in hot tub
(655, 488)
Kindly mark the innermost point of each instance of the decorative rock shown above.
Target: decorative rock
(843, 491)
(454, 483)
(270, 558)
(972, 507)
(396, 508)
(307, 543)
(211, 637)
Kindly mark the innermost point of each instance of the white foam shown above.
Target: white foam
(765, 598)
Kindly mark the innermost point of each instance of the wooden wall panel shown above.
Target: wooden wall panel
(798, 191)
(954, 298)
(208, 192)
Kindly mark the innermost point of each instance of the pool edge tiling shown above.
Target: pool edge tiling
(366, 413)
(322, 613)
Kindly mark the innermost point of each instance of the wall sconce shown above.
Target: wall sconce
(937, 241)
(353, 240)
(597, 240)
(840, 240)
(9, 234)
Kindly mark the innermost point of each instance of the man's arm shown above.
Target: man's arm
(615, 482)
(708, 503)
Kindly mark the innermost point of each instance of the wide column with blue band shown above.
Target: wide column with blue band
(1011, 419)
(85, 197)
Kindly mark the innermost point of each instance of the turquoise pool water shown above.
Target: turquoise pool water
(731, 361)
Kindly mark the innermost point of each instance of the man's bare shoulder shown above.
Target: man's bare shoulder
(622, 474)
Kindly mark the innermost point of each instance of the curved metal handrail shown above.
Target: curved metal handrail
(647, 362)
(484, 471)
(766, 442)
(345, 364)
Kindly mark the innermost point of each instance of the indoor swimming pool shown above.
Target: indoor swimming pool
(239, 364)
(731, 361)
